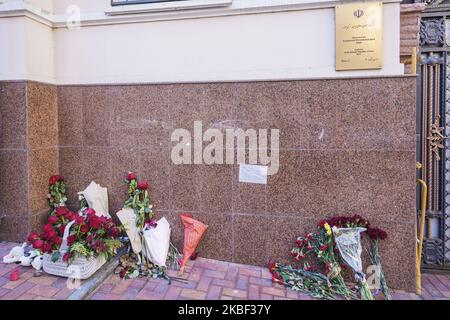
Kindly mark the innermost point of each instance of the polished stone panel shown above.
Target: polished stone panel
(43, 163)
(155, 168)
(377, 184)
(14, 191)
(248, 197)
(249, 239)
(13, 130)
(215, 188)
(376, 114)
(70, 115)
(42, 112)
(305, 185)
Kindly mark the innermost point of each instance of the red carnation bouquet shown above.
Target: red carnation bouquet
(375, 235)
(88, 236)
(317, 254)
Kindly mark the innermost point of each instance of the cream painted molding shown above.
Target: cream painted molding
(152, 13)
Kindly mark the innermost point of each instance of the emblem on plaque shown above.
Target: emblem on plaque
(358, 13)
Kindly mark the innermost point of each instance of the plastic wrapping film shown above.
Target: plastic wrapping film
(348, 241)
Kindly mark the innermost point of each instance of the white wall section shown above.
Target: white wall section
(295, 41)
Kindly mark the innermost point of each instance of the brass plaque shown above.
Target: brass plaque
(359, 36)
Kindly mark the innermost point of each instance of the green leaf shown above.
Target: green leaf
(55, 256)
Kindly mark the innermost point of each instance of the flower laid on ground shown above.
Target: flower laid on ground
(89, 234)
(376, 234)
(309, 282)
(318, 253)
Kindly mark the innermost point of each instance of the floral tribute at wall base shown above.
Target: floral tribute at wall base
(152, 252)
(69, 235)
(321, 260)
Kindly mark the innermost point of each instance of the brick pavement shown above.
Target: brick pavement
(207, 280)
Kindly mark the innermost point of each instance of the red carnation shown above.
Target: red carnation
(61, 229)
(142, 185)
(324, 247)
(322, 223)
(52, 220)
(84, 229)
(57, 241)
(131, 176)
(272, 266)
(38, 244)
(33, 236)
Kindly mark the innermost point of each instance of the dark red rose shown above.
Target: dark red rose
(37, 244)
(79, 220)
(89, 212)
(84, 229)
(61, 211)
(57, 241)
(51, 234)
(123, 272)
(94, 222)
(33, 236)
(52, 219)
(71, 239)
(142, 185)
(48, 227)
(114, 232)
(54, 179)
(61, 229)
(322, 223)
(71, 215)
(131, 176)
(324, 247)
(47, 247)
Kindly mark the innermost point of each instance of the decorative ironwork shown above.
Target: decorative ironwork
(434, 154)
(437, 138)
(432, 32)
(433, 3)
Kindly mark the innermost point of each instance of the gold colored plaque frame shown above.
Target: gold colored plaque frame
(359, 36)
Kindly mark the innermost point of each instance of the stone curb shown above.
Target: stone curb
(97, 279)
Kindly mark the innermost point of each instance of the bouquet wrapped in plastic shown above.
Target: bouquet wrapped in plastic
(348, 241)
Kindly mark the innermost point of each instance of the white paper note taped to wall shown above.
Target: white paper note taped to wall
(251, 173)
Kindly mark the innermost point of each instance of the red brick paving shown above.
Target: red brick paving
(29, 287)
(207, 280)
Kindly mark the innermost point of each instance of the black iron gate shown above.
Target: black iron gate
(433, 130)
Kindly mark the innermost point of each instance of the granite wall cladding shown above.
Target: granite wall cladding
(28, 155)
(346, 147)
